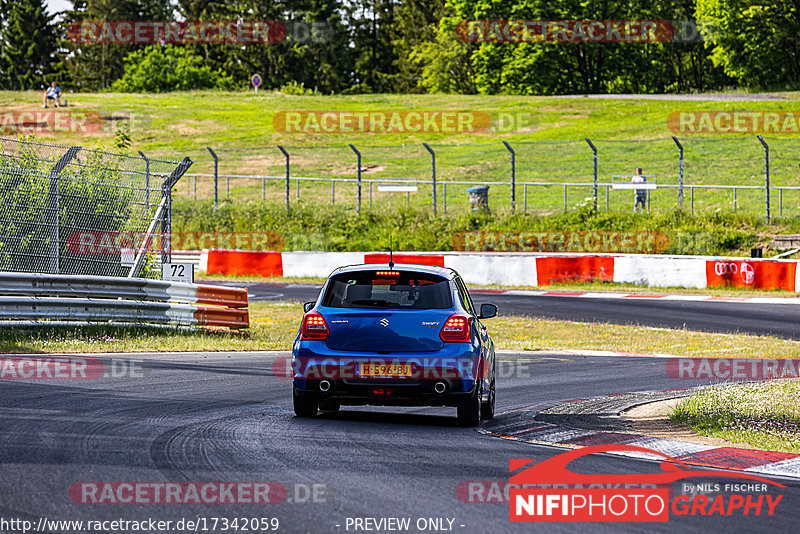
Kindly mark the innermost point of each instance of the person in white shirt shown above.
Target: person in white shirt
(640, 196)
(52, 93)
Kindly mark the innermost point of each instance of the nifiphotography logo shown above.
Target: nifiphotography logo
(640, 497)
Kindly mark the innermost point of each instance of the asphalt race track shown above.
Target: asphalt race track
(781, 320)
(226, 417)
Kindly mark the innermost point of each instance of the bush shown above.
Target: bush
(158, 69)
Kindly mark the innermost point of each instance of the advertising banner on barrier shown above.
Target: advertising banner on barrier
(242, 262)
(554, 270)
(752, 274)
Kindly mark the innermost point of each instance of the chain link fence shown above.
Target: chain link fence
(547, 176)
(72, 210)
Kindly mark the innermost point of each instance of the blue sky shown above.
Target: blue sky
(54, 6)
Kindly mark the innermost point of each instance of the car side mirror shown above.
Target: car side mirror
(487, 311)
(308, 306)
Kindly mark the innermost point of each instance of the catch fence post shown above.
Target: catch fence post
(216, 177)
(286, 155)
(433, 174)
(513, 176)
(594, 187)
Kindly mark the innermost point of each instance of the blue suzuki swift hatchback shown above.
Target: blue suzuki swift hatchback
(406, 335)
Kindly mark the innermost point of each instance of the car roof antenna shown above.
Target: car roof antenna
(391, 260)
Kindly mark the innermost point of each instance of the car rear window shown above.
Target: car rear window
(388, 290)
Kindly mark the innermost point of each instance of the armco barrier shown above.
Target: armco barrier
(27, 298)
(537, 269)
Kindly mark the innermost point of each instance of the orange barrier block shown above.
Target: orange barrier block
(553, 270)
(227, 317)
(243, 262)
(231, 297)
(753, 274)
(416, 259)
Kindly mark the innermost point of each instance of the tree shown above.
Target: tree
(27, 44)
(755, 42)
(93, 66)
(171, 68)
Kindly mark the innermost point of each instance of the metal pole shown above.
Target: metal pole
(734, 199)
(525, 197)
(433, 174)
(565, 199)
(53, 206)
(444, 186)
(298, 188)
(594, 187)
(766, 174)
(780, 202)
(286, 155)
(333, 192)
(513, 176)
(408, 198)
(370, 195)
(358, 154)
(691, 188)
(166, 221)
(146, 183)
(680, 171)
(606, 199)
(195, 187)
(216, 177)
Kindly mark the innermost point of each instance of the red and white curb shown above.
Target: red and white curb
(637, 296)
(523, 427)
(535, 269)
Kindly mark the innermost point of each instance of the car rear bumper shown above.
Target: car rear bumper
(453, 368)
(383, 394)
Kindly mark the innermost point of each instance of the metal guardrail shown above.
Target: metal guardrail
(50, 299)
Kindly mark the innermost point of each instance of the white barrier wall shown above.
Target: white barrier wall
(660, 271)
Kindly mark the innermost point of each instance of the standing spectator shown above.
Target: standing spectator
(52, 93)
(640, 196)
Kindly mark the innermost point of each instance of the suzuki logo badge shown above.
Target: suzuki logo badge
(384, 322)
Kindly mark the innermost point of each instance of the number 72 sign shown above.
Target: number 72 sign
(177, 272)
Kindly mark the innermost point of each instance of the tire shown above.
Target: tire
(469, 411)
(305, 406)
(329, 406)
(487, 409)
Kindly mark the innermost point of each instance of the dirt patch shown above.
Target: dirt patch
(652, 419)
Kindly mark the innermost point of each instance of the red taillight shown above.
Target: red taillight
(314, 327)
(457, 328)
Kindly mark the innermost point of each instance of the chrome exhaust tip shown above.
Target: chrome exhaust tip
(440, 387)
(324, 386)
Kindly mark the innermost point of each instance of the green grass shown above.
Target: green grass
(274, 326)
(763, 415)
(315, 227)
(628, 133)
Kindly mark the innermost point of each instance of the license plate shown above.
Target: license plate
(385, 369)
